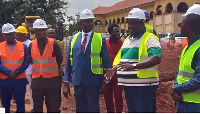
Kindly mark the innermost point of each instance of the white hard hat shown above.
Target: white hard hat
(8, 28)
(39, 23)
(195, 9)
(86, 14)
(136, 13)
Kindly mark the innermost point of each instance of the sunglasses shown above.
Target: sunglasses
(181, 24)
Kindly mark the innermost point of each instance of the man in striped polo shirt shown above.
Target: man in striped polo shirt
(136, 65)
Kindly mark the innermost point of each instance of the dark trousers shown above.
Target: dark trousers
(19, 94)
(111, 88)
(141, 99)
(87, 99)
(51, 100)
(188, 107)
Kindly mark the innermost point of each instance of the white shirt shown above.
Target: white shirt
(88, 38)
(29, 69)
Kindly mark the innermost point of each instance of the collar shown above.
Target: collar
(193, 41)
(11, 44)
(113, 42)
(139, 35)
(89, 33)
(42, 42)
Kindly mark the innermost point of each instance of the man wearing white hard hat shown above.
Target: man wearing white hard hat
(46, 58)
(186, 88)
(87, 55)
(136, 65)
(14, 61)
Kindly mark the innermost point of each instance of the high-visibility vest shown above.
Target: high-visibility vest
(12, 60)
(142, 56)
(149, 28)
(45, 65)
(186, 73)
(96, 60)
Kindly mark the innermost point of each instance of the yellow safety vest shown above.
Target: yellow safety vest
(96, 60)
(142, 56)
(149, 28)
(186, 73)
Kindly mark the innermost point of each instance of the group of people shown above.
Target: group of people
(130, 64)
(33, 64)
(97, 65)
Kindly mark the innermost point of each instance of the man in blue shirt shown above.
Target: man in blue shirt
(13, 63)
(187, 83)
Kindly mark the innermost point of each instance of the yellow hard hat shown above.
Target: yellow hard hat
(21, 29)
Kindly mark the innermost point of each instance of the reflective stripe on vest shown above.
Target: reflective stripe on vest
(12, 62)
(45, 70)
(143, 55)
(186, 73)
(44, 61)
(96, 60)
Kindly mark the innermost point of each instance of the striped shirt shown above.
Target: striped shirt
(129, 54)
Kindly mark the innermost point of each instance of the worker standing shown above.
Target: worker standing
(149, 28)
(186, 89)
(51, 33)
(13, 63)
(21, 33)
(87, 53)
(46, 58)
(136, 65)
(114, 44)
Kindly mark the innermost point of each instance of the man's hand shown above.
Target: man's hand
(177, 97)
(13, 74)
(66, 89)
(125, 67)
(109, 74)
(103, 88)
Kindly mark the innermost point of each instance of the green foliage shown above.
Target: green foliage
(60, 43)
(14, 11)
(72, 28)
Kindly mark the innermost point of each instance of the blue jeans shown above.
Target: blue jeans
(141, 99)
(187, 107)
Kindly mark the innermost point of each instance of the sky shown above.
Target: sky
(76, 6)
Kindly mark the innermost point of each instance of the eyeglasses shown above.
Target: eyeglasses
(181, 24)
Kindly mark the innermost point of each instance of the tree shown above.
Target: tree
(14, 11)
(52, 11)
(71, 27)
(6, 12)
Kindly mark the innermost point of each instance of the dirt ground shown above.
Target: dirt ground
(165, 104)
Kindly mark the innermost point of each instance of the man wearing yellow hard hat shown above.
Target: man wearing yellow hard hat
(21, 35)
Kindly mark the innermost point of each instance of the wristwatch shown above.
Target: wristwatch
(134, 65)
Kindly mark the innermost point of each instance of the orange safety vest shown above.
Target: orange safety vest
(45, 65)
(12, 60)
